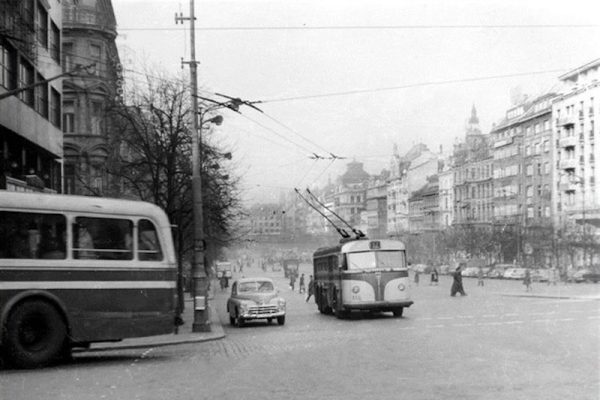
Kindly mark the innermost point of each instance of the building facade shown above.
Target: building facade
(575, 113)
(31, 141)
(89, 41)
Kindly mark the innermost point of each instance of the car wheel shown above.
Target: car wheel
(34, 335)
(239, 321)
(398, 312)
(281, 320)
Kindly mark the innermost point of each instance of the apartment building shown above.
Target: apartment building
(575, 113)
(472, 176)
(89, 33)
(31, 141)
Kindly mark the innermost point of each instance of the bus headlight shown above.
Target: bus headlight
(401, 287)
(355, 289)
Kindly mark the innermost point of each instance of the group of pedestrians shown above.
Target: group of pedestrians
(302, 285)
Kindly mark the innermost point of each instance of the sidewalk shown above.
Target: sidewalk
(570, 291)
(185, 334)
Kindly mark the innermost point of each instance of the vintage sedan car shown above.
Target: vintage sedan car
(255, 298)
(514, 273)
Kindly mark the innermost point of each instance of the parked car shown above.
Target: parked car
(255, 298)
(540, 275)
(514, 273)
(585, 275)
(470, 272)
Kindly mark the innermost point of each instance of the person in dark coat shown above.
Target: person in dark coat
(292, 280)
(311, 288)
(527, 280)
(457, 285)
(302, 288)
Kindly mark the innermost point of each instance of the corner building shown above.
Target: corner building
(31, 141)
(89, 28)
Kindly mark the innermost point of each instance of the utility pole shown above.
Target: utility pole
(200, 279)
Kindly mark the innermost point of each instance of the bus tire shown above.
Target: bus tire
(398, 312)
(35, 335)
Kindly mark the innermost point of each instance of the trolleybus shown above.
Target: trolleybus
(367, 275)
(76, 270)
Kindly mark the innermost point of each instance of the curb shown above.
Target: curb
(550, 296)
(216, 333)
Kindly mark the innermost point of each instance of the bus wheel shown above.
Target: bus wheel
(398, 312)
(35, 335)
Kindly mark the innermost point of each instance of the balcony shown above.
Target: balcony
(566, 121)
(569, 163)
(568, 186)
(569, 141)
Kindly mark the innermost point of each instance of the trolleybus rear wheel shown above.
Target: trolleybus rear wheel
(35, 335)
(398, 312)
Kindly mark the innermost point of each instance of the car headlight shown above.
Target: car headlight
(401, 287)
(244, 307)
(281, 304)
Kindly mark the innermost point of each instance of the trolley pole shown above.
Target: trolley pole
(200, 279)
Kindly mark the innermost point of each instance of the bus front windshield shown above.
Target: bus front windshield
(376, 259)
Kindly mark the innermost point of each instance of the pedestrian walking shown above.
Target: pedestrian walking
(302, 287)
(434, 277)
(457, 285)
(480, 277)
(311, 288)
(417, 277)
(527, 280)
(292, 280)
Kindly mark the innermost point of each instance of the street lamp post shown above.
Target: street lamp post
(200, 278)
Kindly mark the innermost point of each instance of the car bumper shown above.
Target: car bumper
(262, 315)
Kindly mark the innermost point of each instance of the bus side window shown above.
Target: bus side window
(102, 238)
(32, 235)
(148, 243)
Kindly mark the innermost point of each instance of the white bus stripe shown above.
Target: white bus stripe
(87, 285)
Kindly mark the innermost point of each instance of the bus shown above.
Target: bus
(76, 270)
(362, 274)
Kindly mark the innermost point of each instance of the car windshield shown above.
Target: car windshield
(376, 259)
(255, 286)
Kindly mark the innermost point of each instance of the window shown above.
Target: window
(32, 235)
(546, 167)
(55, 109)
(27, 12)
(41, 97)
(68, 117)
(26, 77)
(102, 238)
(529, 170)
(67, 56)
(529, 191)
(55, 42)
(42, 26)
(546, 146)
(148, 243)
(7, 66)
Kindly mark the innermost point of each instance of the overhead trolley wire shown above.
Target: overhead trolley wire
(370, 27)
(408, 86)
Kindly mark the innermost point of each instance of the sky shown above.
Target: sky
(354, 78)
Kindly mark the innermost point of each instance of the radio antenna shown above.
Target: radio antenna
(339, 230)
(357, 232)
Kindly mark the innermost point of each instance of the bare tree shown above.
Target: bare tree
(152, 162)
